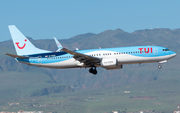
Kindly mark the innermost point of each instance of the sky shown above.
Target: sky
(63, 19)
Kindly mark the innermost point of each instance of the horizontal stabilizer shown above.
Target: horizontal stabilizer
(16, 56)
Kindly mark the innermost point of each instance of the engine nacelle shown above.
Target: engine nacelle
(109, 62)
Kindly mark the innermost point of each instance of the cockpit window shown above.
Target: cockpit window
(165, 49)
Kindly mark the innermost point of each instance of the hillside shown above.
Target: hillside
(159, 96)
(22, 83)
(110, 38)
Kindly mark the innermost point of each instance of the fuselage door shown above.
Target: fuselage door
(155, 51)
(39, 59)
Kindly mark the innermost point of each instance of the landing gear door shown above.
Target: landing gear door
(155, 51)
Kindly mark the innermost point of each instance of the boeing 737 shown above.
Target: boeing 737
(108, 58)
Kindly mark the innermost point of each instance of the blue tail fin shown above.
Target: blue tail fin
(22, 45)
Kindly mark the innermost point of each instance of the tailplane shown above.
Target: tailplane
(22, 45)
(16, 56)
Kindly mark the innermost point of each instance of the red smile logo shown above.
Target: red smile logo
(17, 43)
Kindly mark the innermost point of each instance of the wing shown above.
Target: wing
(83, 58)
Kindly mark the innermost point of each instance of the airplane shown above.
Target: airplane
(108, 58)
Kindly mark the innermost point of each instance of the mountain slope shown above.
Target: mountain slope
(82, 79)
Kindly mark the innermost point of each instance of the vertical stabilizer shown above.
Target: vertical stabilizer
(22, 45)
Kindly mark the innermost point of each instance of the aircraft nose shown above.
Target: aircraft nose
(173, 54)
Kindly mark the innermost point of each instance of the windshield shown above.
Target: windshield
(165, 49)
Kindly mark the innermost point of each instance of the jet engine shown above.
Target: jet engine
(110, 63)
(106, 62)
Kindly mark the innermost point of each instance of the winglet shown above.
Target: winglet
(58, 44)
